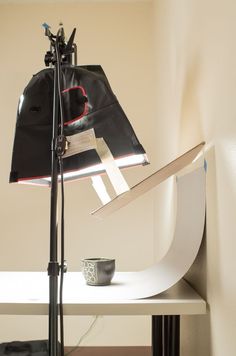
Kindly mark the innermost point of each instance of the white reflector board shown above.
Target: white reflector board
(149, 183)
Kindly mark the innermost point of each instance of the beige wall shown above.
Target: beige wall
(196, 56)
(195, 85)
(119, 37)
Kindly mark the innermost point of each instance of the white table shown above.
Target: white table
(26, 293)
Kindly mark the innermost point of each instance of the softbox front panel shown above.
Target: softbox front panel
(88, 102)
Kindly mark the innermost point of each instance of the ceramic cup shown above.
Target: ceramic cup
(98, 271)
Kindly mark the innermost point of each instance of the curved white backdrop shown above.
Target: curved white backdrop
(187, 238)
(32, 287)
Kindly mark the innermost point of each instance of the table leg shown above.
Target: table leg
(157, 335)
(166, 335)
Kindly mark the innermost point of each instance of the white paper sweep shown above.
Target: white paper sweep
(26, 293)
(187, 238)
(158, 278)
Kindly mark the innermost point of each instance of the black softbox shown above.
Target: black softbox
(88, 102)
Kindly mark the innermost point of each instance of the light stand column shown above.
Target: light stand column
(53, 267)
(59, 50)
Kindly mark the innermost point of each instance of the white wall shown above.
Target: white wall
(119, 37)
(196, 56)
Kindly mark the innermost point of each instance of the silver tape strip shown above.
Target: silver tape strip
(80, 142)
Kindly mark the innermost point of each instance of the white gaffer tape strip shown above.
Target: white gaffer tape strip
(100, 189)
(116, 177)
(87, 140)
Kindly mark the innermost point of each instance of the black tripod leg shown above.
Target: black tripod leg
(157, 335)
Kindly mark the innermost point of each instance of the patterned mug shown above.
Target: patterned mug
(98, 271)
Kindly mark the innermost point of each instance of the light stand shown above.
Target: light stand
(60, 52)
